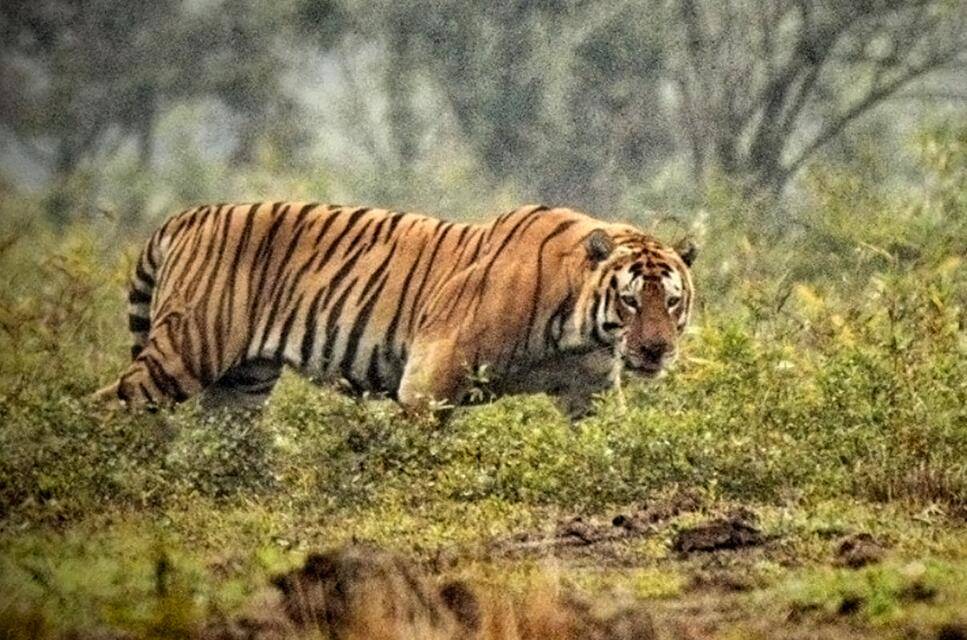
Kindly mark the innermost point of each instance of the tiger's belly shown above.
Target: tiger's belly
(378, 374)
(572, 377)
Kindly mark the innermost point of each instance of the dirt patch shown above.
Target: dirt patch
(859, 550)
(919, 591)
(850, 604)
(733, 531)
(953, 631)
(647, 516)
(579, 531)
(721, 580)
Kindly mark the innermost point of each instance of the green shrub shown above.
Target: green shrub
(829, 360)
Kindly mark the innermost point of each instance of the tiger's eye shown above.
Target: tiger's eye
(630, 301)
(673, 301)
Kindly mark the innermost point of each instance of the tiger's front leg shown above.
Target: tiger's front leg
(434, 376)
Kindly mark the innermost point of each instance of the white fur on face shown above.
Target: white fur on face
(673, 285)
(675, 288)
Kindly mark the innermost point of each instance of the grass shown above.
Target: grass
(824, 386)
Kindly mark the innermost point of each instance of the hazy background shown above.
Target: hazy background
(130, 110)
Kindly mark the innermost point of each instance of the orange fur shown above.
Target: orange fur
(225, 295)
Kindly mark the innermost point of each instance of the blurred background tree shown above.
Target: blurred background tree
(763, 86)
(84, 77)
(439, 105)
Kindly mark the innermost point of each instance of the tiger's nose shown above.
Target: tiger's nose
(654, 351)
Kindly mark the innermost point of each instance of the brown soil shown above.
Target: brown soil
(600, 539)
(735, 530)
(859, 550)
(954, 631)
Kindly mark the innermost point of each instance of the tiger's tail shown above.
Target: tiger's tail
(140, 293)
(141, 289)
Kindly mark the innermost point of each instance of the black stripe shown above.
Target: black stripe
(458, 262)
(299, 226)
(331, 217)
(499, 221)
(138, 297)
(338, 277)
(454, 299)
(265, 252)
(197, 276)
(394, 323)
(395, 219)
(559, 317)
(269, 236)
(144, 393)
(363, 318)
(353, 219)
(593, 320)
(274, 307)
(359, 327)
(332, 329)
(429, 268)
(297, 279)
(379, 227)
(352, 244)
(207, 294)
(144, 276)
(188, 348)
(373, 377)
(164, 381)
(287, 327)
(191, 238)
(289, 283)
(379, 271)
(476, 250)
(529, 218)
(559, 229)
(243, 241)
(503, 245)
(309, 335)
(148, 253)
(138, 324)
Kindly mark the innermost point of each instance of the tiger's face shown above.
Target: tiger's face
(642, 299)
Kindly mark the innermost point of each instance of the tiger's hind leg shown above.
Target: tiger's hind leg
(245, 386)
(166, 370)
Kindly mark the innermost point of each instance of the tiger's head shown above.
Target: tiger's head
(638, 297)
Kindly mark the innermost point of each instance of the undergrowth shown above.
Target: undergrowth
(828, 361)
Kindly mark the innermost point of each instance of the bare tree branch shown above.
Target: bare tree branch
(871, 100)
(750, 79)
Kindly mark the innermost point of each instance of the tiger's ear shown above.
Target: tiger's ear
(687, 250)
(599, 245)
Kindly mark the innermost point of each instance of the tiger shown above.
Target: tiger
(400, 305)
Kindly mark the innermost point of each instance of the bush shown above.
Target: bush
(827, 360)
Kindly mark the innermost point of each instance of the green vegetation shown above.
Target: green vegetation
(824, 385)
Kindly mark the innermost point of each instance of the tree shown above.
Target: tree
(559, 97)
(763, 86)
(83, 76)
